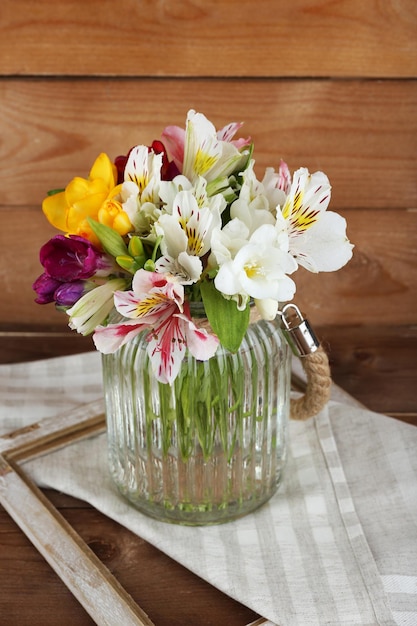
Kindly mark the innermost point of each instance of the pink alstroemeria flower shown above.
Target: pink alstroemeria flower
(157, 304)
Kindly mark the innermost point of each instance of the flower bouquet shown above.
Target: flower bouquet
(177, 247)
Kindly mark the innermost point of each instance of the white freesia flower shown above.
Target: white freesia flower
(259, 270)
(267, 308)
(317, 238)
(276, 185)
(94, 306)
(252, 207)
(226, 242)
(258, 201)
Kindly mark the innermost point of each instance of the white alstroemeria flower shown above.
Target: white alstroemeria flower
(186, 269)
(317, 237)
(202, 148)
(140, 189)
(186, 236)
(259, 270)
(143, 167)
(204, 153)
(188, 228)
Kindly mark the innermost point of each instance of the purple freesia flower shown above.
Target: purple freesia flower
(63, 294)
(45, 287)
(69, 262)
(73, 258)
(68, 294)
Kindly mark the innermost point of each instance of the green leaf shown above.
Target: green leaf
(53, 192)
(111, 241)
(226, 320)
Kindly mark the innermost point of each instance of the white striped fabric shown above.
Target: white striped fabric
(336, 546)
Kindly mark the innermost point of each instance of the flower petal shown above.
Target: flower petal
(155, 306)
(106, 170)
(55, 208)
(309, 196)
(166, 349)
(94, 306)
(174, 138)
(267, 308)
(200, 343)
(108, 339)
(324, 247)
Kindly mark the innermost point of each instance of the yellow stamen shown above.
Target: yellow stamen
(253, 270)
(149, 303)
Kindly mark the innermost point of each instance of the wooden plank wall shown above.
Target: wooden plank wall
(326, 85)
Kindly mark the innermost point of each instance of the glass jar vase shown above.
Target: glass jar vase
(209, 448)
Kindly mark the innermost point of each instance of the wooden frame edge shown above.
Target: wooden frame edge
(97, 590)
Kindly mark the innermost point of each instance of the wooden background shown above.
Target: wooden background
(326, 84)
(329, 85)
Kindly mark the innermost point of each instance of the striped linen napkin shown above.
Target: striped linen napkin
(337, 545)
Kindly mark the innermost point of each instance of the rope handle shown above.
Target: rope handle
(319, 382)
(314, 360)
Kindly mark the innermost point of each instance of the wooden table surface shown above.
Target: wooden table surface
(376, 366)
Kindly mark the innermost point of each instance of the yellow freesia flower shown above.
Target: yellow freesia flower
(112, 214)
(82, 198)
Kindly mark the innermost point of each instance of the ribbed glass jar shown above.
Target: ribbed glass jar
(209, 448)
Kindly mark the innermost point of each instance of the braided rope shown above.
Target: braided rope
(317, 369)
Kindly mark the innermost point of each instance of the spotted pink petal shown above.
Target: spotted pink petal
(145, 283)
(166, 349)
(228, 132)
(108, 339)
(154, 307)
(200, 343)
